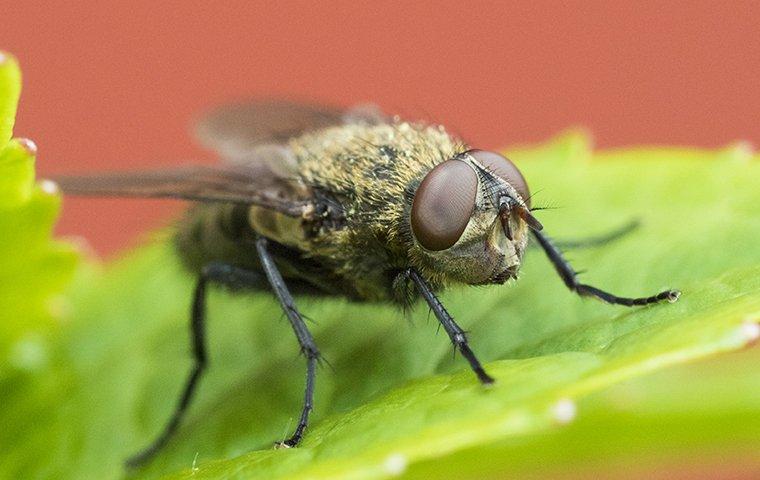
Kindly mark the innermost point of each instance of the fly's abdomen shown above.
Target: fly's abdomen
(225, 233)
(215, 232)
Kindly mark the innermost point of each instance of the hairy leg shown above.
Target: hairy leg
(221, 273)
(305, 340)
(456, 334)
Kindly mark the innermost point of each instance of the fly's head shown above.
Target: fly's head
(470, 218)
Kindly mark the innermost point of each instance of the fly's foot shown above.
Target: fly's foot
(289, 443)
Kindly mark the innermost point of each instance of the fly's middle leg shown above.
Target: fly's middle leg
(305, 339)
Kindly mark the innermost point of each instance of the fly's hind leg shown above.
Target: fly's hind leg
(570, 278)
(305, 340)
(597, 241)
(230, 276)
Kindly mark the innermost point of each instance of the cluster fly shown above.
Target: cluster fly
(354, 203)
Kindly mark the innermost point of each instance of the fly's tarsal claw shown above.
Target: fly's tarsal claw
(673, 296)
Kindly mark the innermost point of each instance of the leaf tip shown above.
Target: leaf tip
(49, 187)
(6, 58)
(28, 145)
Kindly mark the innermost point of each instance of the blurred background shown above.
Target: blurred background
(115, 86)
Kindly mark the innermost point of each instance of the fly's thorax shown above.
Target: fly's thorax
(369, 163)
(483, 253)
(366, 171)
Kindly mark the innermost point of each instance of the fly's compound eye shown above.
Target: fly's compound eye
(504, 168)
(443, 204)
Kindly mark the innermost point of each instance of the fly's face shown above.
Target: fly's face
(471, 216)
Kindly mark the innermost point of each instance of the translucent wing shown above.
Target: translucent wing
(236, 129)
(226, 183)
(233, 130)
(261, 169)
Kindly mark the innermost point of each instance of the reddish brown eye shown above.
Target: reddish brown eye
(443, 204)
(505, 169)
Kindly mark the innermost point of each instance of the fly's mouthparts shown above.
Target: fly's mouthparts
(504, 212)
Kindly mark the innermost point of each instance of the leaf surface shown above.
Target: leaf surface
(395, 398)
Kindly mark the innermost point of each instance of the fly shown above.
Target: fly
(352, 203)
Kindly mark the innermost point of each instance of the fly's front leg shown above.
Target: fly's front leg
(224, 274)
(569, 276)
(456, 334)
(305, 340)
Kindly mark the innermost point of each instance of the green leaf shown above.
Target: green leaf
(74, 405)
(10, 89)
(665, 425)
(33, 269)
(396, 397)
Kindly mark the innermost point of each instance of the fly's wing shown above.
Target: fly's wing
(260, 170)
(224, 183)
(235, 130)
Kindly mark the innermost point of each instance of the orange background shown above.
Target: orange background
(115, 86)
